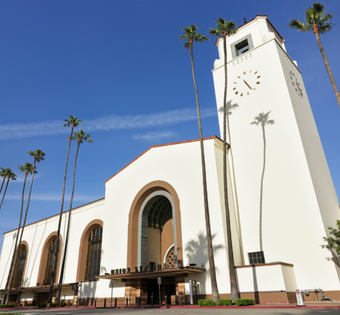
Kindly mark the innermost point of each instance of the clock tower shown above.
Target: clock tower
(280, 177)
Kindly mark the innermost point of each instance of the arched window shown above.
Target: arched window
(50, 261)
(20, 266)
(94, 250)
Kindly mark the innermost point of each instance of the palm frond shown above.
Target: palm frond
(190, 35)
(299, 26)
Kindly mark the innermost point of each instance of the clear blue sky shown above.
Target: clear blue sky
(120, 67)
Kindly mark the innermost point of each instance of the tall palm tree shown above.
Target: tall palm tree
(71, 122)
(38, 156)
(262, 119)
(319, 22)
(3, 174)
(190, 36)
(80, 137)
(10, 176)
(225, 28)
(27, 168)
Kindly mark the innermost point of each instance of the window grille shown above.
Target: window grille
(256, 258)
(49, 262)
(20, 266)
(94, 250)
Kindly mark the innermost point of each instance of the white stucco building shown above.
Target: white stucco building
(151, 222)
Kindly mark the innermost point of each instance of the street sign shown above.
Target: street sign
(159, 280)
(299, 298)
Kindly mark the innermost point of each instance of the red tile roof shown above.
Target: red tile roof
(162, 145)
(253, 20)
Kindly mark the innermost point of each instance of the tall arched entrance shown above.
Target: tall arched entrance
(157, 231)
(154, 243)
(154, 252)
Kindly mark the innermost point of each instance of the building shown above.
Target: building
(151, 223)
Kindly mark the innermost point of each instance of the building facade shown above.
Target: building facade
(150, 227)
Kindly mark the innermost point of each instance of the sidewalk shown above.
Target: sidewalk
(308, 305)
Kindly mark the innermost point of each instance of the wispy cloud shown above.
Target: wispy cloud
(21, 177)
(105, 123)
(54, 197)
(154, 135)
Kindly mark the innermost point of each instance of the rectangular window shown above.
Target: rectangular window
(256, 258)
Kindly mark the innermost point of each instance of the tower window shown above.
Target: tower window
(242, 47)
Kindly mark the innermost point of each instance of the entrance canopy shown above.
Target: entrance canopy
(168, 272)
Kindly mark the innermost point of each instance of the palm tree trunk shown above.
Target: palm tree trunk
(2, 183)
(261, 191)
(68, 226)
(214, 288)
(54, 267)
(16, 251)
(232, 272)
(24, 224)
(3, 196)
(328, 68)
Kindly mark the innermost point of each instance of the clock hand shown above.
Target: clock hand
(247, 84)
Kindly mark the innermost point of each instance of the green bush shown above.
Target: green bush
(51, 304)
(244, 302)
(224, 302)
(6, 305)
(206, 303)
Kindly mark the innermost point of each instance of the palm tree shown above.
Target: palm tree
(38, 156)
(80, 137)
(10, 176)
(3, 174)
(27, 168)
(190, 36)
(319, 22)
(73, 122)
(262, 119)
(227, 28)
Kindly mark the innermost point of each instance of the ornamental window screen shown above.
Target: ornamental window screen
(50, 262)
(94, 250)
(20, 266)
(171, 258)
(256, 258)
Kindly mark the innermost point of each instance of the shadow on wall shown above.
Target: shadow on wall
(197, 253)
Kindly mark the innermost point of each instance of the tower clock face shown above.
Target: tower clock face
(246, 83)
(296, 84)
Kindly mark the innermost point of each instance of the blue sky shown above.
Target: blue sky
(120, 67)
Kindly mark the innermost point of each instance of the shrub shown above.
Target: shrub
(224, 302)
(206, 303)
(6, 305)
(244, 302)
(51, 304)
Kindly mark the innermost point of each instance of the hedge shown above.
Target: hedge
(244, 302)
(206, 303)
(224, 302)
(6, 305)
(51, 304)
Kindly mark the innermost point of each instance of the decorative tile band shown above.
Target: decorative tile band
(142, 252)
